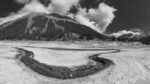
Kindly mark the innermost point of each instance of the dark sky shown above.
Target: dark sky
(130, 13)
(8, 6)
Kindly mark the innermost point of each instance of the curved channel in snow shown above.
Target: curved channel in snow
(95, 64)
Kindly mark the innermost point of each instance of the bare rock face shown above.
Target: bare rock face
(46, 27)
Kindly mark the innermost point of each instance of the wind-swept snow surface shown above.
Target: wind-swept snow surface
(130, 65)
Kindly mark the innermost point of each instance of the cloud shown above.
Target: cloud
(124, 32)
(62, 6)
(96, 18)
(55, 6)
(34, 6)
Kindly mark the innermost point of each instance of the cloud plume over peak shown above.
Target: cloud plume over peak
(97, 18)
(62, 7)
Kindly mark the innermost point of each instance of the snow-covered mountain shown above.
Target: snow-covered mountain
(39, 26)
(50, 27)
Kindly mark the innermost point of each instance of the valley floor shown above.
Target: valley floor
(131, 62)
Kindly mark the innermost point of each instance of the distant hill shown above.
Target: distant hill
(145, 39)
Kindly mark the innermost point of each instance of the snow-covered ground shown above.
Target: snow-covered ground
(132, 64)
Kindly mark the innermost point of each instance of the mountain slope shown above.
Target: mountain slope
(47, 27)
